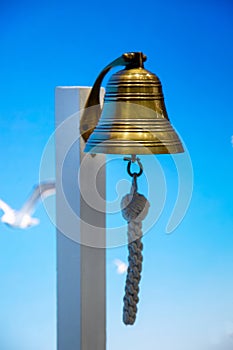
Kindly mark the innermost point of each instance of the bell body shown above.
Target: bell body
(134, 119)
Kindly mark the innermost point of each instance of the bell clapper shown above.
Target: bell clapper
(134, 159)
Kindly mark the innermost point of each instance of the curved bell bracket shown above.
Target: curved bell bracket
(91, 116)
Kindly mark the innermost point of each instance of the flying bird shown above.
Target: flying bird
(23, 218)
(121, 266)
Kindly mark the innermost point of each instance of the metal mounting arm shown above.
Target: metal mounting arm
(91, 116)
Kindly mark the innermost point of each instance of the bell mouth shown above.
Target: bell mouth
(120, 145)
(128, 128)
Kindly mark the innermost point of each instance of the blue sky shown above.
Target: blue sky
(187, 287)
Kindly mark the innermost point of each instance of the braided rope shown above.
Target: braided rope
(134, 209)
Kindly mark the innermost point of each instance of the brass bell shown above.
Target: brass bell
(134, 119)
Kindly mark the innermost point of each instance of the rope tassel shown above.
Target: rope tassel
(134, 208)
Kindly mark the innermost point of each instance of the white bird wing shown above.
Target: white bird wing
(40, 192)
(5, 207)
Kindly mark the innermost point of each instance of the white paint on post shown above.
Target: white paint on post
(81, 268)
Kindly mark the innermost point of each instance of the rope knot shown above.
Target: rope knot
(134, 206)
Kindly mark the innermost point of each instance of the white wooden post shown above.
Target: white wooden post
(81, 269)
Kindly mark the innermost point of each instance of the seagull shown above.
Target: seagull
(22, 218)
(121, 266)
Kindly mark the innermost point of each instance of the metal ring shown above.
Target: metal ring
(135, 174)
